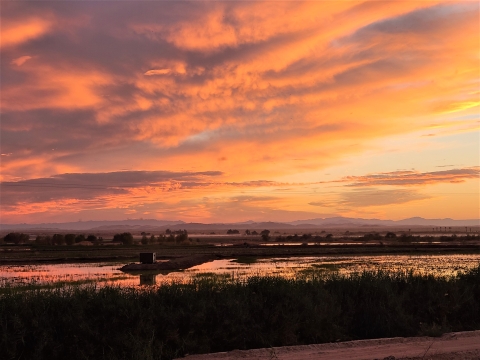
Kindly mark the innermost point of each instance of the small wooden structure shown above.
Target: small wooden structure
(148, 258)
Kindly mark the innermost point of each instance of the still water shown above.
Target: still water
(109, 273)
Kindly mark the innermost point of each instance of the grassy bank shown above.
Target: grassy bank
(209, 315)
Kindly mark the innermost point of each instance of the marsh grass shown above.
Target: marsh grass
(210, 314)
(331, 267)
(34, 284)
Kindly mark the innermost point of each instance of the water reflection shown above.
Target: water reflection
(148, 279)
(109, 273)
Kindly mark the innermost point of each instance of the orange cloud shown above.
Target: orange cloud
(21, 60)
(413, 178)
(158, 72)
(255, 90)
(16, 33)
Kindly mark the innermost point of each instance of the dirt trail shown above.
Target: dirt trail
(461, 345)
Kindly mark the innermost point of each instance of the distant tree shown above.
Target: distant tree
(79, 238)
(390, 235)
(152, 240)
(254, 232)
(58, 239)
(230, 231)
(42, 240)
(16, 238)
(92, 238)
(265, 235)
(247, 232)
(125, 238)
(48, 240)
(329, 236)
(70, 239)
(374, 236)
(168, 231)
(181, 236)
(144, 240)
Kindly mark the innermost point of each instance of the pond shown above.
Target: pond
(109, 273)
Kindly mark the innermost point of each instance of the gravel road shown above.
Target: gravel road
(451, 346)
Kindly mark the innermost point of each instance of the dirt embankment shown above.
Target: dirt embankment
(454, 346)
(174, 264)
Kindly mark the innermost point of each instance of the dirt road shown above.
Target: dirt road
(461, 345)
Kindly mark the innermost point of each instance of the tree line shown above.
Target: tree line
(126, 238)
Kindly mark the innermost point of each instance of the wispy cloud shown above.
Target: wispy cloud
(21, 60)
(412, 178)
(158, 72)
(361, 198)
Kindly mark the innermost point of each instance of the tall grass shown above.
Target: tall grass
(220, 314)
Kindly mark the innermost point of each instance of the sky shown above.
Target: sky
(233, 111)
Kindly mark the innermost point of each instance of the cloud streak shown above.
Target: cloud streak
(362, 198)
(413, 178)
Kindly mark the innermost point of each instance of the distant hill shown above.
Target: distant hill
(161, 225)
(414, 221)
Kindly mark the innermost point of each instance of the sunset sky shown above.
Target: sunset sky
(234, 111)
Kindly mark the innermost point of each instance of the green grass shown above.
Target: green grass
(218, 314)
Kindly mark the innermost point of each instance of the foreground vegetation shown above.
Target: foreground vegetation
(218, 314)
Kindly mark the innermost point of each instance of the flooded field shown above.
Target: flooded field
(108, 273)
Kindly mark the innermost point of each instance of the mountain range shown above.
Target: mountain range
(152, 224)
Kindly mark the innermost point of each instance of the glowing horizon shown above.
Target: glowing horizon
(235, 111)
